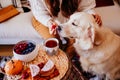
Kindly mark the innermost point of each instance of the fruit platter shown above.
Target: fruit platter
(38, 67)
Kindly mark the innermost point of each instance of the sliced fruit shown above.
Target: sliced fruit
(48, 66)
(34, 70)
(47, 69)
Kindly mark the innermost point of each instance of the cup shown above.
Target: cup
(51, 46)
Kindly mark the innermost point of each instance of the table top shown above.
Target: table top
(60, 59)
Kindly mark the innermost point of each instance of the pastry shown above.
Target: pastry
(13, 67)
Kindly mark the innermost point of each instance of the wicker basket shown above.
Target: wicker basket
(41, 29)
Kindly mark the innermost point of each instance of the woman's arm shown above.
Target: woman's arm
(40, 12)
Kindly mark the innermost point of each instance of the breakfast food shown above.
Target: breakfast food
(26, 74)
(34, 70)
(13, 67)
(48, 68)
(24, 47)
(25, 50)
(41, 71)
(60, 67)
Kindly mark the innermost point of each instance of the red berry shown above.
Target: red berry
(53, 26)
(41, 65)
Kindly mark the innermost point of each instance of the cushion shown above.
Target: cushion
(17, 29)
(7, 13)
(16, 3)
(5, 3)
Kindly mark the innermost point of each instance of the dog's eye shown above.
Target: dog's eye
(74, 24)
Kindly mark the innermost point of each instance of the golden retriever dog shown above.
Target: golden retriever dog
(98, 46)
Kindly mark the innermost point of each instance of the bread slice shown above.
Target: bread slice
(48, 68)
(7, 13)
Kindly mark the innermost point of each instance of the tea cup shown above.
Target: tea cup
(51, 46)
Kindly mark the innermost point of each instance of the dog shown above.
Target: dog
(98, 46)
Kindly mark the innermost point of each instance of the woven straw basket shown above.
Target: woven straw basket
(41, 29)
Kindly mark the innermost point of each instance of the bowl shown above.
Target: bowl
(25, 50)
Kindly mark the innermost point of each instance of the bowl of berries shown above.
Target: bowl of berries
(25, 50)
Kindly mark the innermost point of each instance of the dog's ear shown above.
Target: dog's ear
(95, 35)
(98, 39)
(91, 33)
(86, 42)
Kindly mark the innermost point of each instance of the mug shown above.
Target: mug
(51, 46)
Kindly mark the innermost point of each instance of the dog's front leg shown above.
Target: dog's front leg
(84, 63)
(98, 77)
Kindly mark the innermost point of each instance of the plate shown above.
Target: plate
(60, 59)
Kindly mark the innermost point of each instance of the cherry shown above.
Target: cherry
(53, 26)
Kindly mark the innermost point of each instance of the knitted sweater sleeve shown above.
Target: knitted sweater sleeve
(39, 11)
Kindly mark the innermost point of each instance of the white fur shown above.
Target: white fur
(98, 47)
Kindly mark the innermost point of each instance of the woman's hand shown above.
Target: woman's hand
(52, 27)
(97, 19)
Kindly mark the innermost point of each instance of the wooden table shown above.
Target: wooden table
(60, 59)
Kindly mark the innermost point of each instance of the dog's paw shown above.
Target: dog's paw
(97, 77)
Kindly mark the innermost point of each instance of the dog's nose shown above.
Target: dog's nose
(59, 28)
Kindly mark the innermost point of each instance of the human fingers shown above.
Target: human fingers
(52, 26)
(98, 19)
(52, 30)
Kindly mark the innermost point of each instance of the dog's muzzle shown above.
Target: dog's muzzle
(59, 28)
(63, 39)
